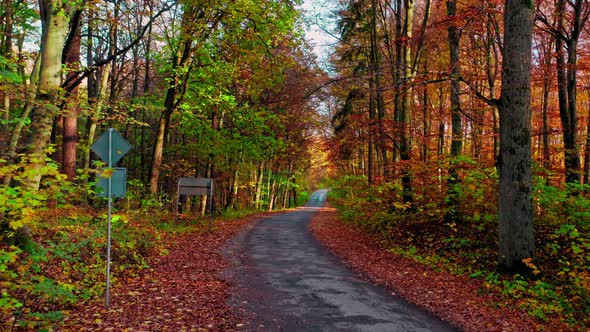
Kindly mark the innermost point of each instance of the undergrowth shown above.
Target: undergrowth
(61, 263)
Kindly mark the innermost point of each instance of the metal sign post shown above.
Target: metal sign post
(110, 148)
(110, 217)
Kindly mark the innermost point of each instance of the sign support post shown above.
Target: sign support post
(111, 147)
(109, 222)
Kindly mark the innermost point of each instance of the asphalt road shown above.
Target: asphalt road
(291, 283)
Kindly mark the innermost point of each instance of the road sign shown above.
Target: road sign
(199, 187)
(118, 183)
(194, 186)
(111, 141)
(111, 147)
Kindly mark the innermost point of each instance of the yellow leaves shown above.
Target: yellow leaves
(107, 173)
(529, 263)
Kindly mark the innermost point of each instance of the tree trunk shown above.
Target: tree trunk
(456, 123)
(377, 76)
(515, 209)
(55, 21)
(173, 95)
(371, 133)
(287, 186)
(272, 193)
(70, 119)
(406, 102)
(545, 110)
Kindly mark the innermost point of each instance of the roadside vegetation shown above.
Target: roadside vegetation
(556, 284)
(61, 266)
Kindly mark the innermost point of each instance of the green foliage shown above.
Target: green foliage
(31, 293)
(19, 205)
(302, 197)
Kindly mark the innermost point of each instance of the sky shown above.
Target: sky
(320, 25)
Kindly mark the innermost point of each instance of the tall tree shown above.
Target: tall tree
(515, 209)
(456, 125)
(71, 59)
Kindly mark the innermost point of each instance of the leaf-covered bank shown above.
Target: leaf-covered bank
(465, 302)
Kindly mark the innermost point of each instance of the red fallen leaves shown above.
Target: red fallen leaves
(452, 298)
(180, 292)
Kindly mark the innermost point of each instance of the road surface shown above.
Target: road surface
(291, 283)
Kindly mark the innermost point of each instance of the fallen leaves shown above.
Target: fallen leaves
(182, 291)
(456, 299)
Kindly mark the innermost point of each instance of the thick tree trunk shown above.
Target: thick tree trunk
(515, 209)
(157, 156)
(55, 29)
(70, 119)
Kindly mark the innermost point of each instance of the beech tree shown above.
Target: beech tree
(515, 208)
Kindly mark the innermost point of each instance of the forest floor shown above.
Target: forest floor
(183, 291)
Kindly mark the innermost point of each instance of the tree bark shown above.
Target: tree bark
(515, 209)
(70, 119)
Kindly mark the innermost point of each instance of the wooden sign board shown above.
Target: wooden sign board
(195, 186)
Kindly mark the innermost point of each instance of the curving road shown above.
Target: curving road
(291, 283)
